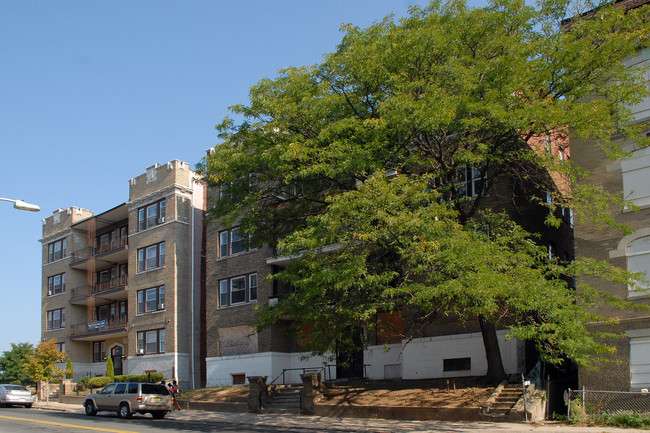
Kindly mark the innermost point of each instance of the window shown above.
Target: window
(56, 319)
(636, 172)
(151, 257)
(150, 300)
(457, 364)
(233, 242)
(56, 285)
(252, 287)
(99, 351)
(56, 250)
(151, 342)
(238, 290)
(638, 260)
(470, 181)
(151, 215)
(60, 347)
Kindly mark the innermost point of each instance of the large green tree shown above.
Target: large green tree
(392, 147)
(11, 363)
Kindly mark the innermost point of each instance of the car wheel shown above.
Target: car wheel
(28, 405)
(90, 408)
(158, 415)
(124, 411)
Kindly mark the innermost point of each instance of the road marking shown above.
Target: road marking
(67, 425)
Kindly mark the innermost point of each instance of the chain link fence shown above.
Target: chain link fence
(606, 402)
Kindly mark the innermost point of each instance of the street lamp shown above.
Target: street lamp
(23, 205)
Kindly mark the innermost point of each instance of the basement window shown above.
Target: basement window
(457, 364)
(239, 378)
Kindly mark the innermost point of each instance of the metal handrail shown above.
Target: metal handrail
(303, 369)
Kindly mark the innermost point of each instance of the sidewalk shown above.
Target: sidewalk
(323, 424)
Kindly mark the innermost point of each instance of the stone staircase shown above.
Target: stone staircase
(285, 399)
(503, 400)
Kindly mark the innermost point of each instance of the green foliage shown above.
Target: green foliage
(69, 371)
(84, 382)
(153, 378)
(625, 419)
(100, 381)
(578, 414)
(110, 371)
(358, 167)
(11, 363)
(42, 364)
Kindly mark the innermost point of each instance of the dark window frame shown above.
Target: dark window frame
(54, 254)
(231, 243)
(152, 215)
(143, 344)
(52, 285)
(143, 301)
(54, 323)
(249, 290)
(144, 259)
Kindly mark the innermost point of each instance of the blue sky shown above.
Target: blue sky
(93, 92)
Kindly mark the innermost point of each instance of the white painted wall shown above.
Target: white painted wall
(162, 363)
(421, 358)
(219, 370)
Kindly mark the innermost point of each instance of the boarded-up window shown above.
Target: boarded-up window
(390, 327)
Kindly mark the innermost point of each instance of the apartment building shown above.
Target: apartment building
(126, 283)
(630, 179)
(236, 271)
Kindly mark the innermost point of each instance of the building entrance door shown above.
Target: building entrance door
(116, 356)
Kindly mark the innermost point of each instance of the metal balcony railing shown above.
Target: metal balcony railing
(98, 326)
(113, 283)
(90, 251)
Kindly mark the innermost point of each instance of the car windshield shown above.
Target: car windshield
(15, 388)
(153, 388)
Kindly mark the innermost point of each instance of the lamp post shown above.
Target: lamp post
(22, 205)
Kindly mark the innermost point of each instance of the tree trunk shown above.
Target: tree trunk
(495, 372)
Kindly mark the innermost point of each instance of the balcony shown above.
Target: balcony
(99, 329)
(114, 251)
(113, 289)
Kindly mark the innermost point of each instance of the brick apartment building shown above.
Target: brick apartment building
(629, 179)
(235, 279)
(126, 283)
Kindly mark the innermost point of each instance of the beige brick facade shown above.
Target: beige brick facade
(115, 279)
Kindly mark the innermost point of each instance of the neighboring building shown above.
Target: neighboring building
(630, 179)
(236, 272)
(127, 283)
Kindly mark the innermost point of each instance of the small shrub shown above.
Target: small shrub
(578, 413)
(110, 371)
(69, 371)
(625, 419)
(84, 382)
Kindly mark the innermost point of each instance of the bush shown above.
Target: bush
(625, 419)
(84, 383)
(577, 412)
(110, 371)
(100, 381)
(155, 378)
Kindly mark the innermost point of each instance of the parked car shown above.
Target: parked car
(127, 398)
(16, 394)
